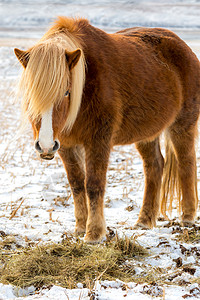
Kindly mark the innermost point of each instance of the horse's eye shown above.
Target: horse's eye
(67, 93)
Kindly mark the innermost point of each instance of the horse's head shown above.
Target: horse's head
(48, 84)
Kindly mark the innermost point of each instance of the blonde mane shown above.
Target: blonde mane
(46, 78)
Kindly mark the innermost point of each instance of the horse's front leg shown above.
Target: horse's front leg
(73, 160)
(96, 167)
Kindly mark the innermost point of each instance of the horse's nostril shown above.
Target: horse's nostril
(47, 150)
(37, 146)
(56, 145)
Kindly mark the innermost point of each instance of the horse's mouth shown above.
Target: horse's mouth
(47, 156)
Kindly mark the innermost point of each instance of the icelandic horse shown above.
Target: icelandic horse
(85, 91)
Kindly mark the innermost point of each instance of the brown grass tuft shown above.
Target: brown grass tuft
(188, 235)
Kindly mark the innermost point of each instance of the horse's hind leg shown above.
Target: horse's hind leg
(74, 164)
(153, 163)
(183, 135)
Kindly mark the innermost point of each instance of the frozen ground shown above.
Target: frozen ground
(36, 207)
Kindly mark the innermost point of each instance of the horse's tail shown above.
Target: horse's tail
(171, 181)
(171, 184)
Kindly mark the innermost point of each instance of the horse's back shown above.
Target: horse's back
(175, 52)
(146, 31)
(171, 72)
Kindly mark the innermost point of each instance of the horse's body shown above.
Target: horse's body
(138, 83)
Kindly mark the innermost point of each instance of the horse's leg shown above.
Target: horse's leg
(73, 160)
(183, 136)
(153, 163)
(97, 157)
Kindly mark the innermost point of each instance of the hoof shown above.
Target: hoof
(187, 223)
(95, 231)
(95, 237)
(139, 225)
(145, 222)
(90, 240)
(79, 231)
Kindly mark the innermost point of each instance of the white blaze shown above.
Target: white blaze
(46, 130)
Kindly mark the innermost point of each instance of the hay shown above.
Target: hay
(70, 262)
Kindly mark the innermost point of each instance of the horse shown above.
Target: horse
(85, 91)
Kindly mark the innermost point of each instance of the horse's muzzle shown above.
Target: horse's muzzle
(47, 156)
(48, 153)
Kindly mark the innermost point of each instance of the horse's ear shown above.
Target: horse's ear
(73, 58)
(23, 56)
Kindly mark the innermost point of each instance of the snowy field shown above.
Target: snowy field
(36, 204)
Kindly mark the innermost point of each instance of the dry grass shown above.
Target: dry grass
(70, 262)
(188, 235)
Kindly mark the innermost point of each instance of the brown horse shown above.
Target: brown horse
(85, 91)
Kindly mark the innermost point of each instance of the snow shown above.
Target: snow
(27, 18)
(41, 187)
